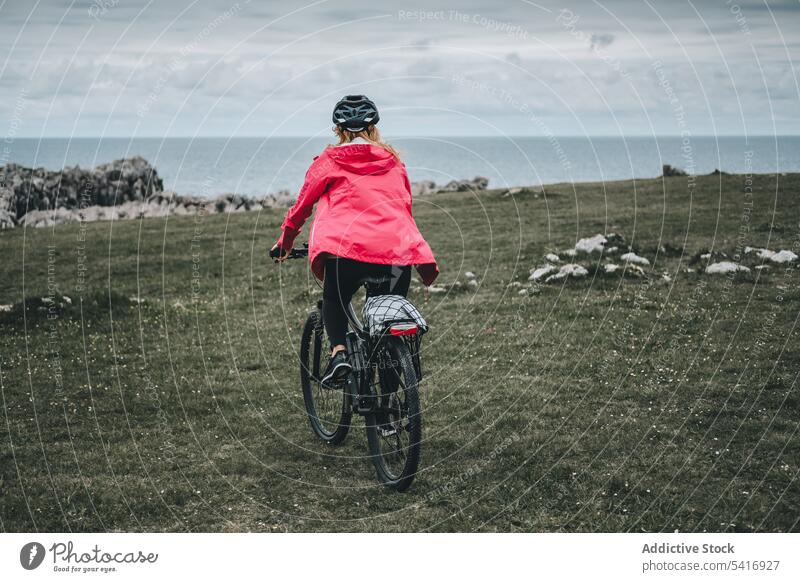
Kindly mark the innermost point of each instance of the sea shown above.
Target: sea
(256, 166)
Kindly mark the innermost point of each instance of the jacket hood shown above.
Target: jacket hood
(365, 159)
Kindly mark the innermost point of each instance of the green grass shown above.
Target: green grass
(599, 405)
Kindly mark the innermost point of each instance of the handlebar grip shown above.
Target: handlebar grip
(300, 253)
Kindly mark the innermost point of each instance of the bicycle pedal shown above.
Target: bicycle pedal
(334, 385)
(387, 432)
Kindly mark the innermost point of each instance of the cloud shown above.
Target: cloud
(514, 58)
(601, 41)
(203, 67)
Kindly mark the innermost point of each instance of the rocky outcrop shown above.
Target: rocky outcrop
(668, 171)
(121, 190)
(127, 189)
(477, 183)
(23, 190)
(430, 187)
(423, 187)
(282, 199)
(156, 206)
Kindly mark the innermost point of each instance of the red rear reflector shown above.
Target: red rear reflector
(397, 330)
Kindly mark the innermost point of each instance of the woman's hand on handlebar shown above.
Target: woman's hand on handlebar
(279, 254)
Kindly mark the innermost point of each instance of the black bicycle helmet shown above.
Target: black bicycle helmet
(355, 113)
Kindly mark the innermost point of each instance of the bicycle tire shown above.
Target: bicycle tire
(408, 421)
(333, 424)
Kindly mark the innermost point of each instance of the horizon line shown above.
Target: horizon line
(401, 136)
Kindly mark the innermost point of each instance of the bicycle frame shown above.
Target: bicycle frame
(362, 350)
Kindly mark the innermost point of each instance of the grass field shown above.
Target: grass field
(165, 397)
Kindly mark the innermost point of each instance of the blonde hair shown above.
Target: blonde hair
(370, 134)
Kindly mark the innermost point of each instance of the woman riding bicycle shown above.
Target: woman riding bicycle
(363, 226)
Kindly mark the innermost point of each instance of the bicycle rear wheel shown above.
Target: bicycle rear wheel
(329, 410)
(394, 430)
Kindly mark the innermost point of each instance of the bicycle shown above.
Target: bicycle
(383, 386)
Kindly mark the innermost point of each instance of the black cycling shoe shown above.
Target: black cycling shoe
(337, 371)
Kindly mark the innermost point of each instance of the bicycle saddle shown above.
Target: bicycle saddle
(374, 283)
(376, 279)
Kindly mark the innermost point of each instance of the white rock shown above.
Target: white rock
(634, 258)
(6, 307)
(783, 257)
(611, 268)
(469, 275)
(569, 252)
(539, 272)
(515, 284)
(634, 270)
(591, 244)
(765, 254)
(574, 270)
(94, 213)
(762, 267)
(612, 250)
(552, 257)
(7, 219)
(725, 267)
(775, 257)
(181, 210)
(522, 291)
(37, 219)
(435, 289)
(421, 188)
(705, 256)
(472, 283)
(570, 270)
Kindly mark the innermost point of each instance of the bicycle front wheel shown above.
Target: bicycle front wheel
(394, 429)
(328, 409)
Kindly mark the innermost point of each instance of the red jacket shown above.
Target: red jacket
(364, 211)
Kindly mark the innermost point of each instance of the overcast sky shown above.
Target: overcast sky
(197, 68)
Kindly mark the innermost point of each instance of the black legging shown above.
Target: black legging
(342, 279)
